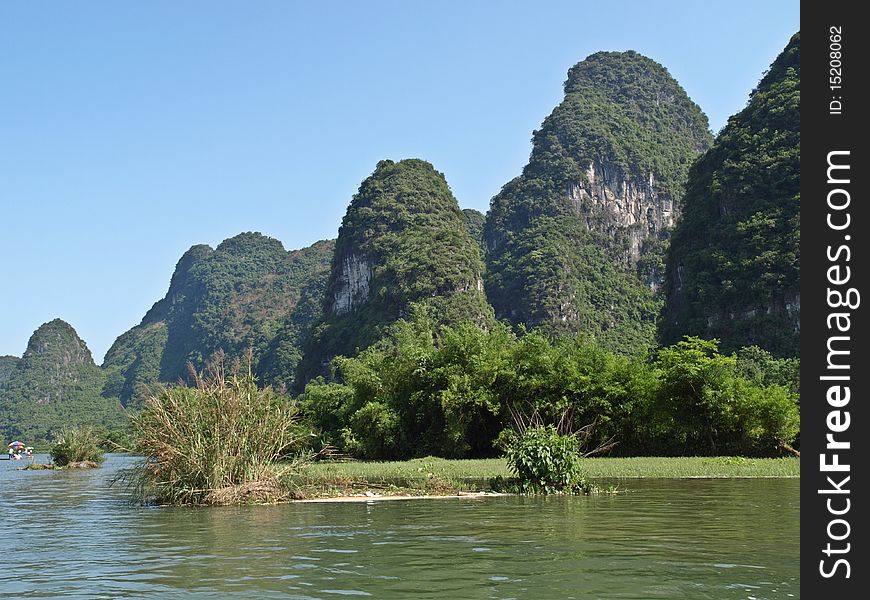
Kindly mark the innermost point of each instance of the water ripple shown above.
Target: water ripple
(69, 535)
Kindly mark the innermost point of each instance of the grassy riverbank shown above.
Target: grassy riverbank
(433, 476)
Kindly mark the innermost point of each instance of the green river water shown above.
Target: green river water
(67, 534)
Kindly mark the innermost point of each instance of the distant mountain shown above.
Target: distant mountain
(734, 262)
(576, 243)
(53, 385)
(242, 295)
(403, 240)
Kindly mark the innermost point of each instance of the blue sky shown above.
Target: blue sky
(133, 130)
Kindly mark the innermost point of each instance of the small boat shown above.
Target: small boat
(18, 450)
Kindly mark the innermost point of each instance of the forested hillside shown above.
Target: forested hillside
(248, 293)
(403, 240)
(7, 366)
(53, 385)
(576, 243)
(635, 284)
(734, 262)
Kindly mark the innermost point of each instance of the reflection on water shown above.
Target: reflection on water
(67, 534)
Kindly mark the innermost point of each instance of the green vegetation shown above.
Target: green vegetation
(390, 338)
(451, 390)
(54, 385)
(424, 474)
(576, 243)
(279, 363)
(219, 442)
(35, 466)
(691, 466)
(733, 267)
(77, 446)
(248, 293)
(7, 367)
(402, 240)
(475, 221)
(428, 476)
(707, 407)
(545, 461)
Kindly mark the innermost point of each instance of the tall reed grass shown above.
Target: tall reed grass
(221, 441)
(79, 446)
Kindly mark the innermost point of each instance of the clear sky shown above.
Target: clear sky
(130, 131)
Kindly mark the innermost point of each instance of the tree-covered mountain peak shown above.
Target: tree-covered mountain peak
(615, 71)
(789, 58)
(55, 339)
(250, 241)
(247, 293)
(576, 243)
(55, 384)
(403, 240)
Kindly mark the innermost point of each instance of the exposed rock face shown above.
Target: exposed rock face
(613, 203)
(734, 262)
(352, 286)
(55, 384)
(576, 243)
(242, 295)
(402, 241)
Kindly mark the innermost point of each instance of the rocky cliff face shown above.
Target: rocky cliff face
(402, 241)
(576, 243)
(615, 204)
(55, 384)
(734, 262)
(351, 286)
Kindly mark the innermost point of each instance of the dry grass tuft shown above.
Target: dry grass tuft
(266, 491)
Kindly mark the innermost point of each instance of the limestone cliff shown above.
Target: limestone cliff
(576, 243)
(351, 284)
(403, 240)
(614, 204)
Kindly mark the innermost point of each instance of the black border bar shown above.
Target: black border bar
(834, 366)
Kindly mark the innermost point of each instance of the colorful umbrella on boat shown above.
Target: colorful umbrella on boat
(16, 445)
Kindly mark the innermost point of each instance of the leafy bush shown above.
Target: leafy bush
(545, 461)
(217, 443)
(448, 391)
(377, 430)
(77, 445)
(705, 406)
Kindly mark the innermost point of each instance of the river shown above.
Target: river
(68, 534)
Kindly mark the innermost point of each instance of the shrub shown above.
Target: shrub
(376, 427)
(545, 461)
(77, 445)
(219, 442)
